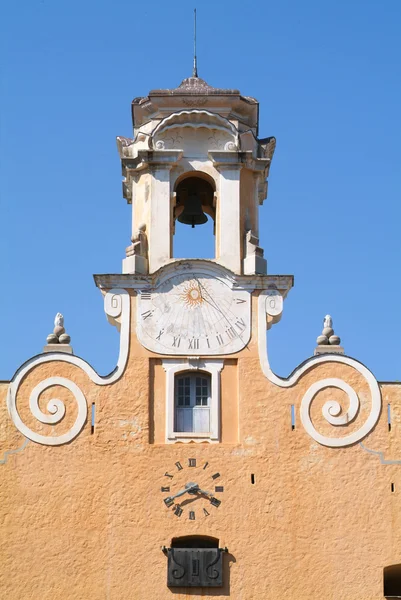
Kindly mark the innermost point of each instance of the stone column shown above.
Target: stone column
(160, 217)
(229, 230)
(159, 234)
(229, 218)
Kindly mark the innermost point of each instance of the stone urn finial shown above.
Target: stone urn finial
(59, 340)
(327, 341)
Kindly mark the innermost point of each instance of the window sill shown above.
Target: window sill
(192, 436)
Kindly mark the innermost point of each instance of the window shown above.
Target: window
(192, 399)
(192, 402)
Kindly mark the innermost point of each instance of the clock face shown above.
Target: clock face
(192, 489)
(194, 313)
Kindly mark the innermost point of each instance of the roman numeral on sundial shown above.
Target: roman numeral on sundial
(240, 323)
(219, 338)
(231, 333)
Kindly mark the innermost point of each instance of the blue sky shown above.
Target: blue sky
(328, 79)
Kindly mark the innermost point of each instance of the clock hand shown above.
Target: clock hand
(212, 499)
(189, 487)
(204, 492)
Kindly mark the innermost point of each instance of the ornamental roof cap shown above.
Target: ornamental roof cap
(194, 86)
(197, 86)
(195, 91)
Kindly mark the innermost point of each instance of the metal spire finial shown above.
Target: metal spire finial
(195, 67)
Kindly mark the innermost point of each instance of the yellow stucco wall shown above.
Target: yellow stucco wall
(86, 520)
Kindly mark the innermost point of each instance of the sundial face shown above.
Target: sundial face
(194, 313)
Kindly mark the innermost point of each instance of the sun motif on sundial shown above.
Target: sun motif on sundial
(192, 294)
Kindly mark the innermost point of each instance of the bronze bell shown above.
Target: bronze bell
(192, 213)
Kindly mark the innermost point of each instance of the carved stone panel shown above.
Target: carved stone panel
(195, 567)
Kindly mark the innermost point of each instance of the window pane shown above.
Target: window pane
(201, 420)
(183, 419)
(202, 395)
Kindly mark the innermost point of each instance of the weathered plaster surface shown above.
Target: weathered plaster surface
(87, 520)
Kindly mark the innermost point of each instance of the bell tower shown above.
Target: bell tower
(195, 152)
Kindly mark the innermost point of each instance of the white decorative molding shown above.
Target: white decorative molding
(231, 147)
(211, 366)
(195, 118)
(332, 410)
(246, 282)
(195, 132)
(274, 303)
(117, 309)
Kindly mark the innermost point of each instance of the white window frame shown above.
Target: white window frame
(192, 410)
(213, 367)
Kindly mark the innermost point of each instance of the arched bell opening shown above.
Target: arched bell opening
(194, 216)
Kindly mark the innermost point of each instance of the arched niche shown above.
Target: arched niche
(195, 541)
(392, 581)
